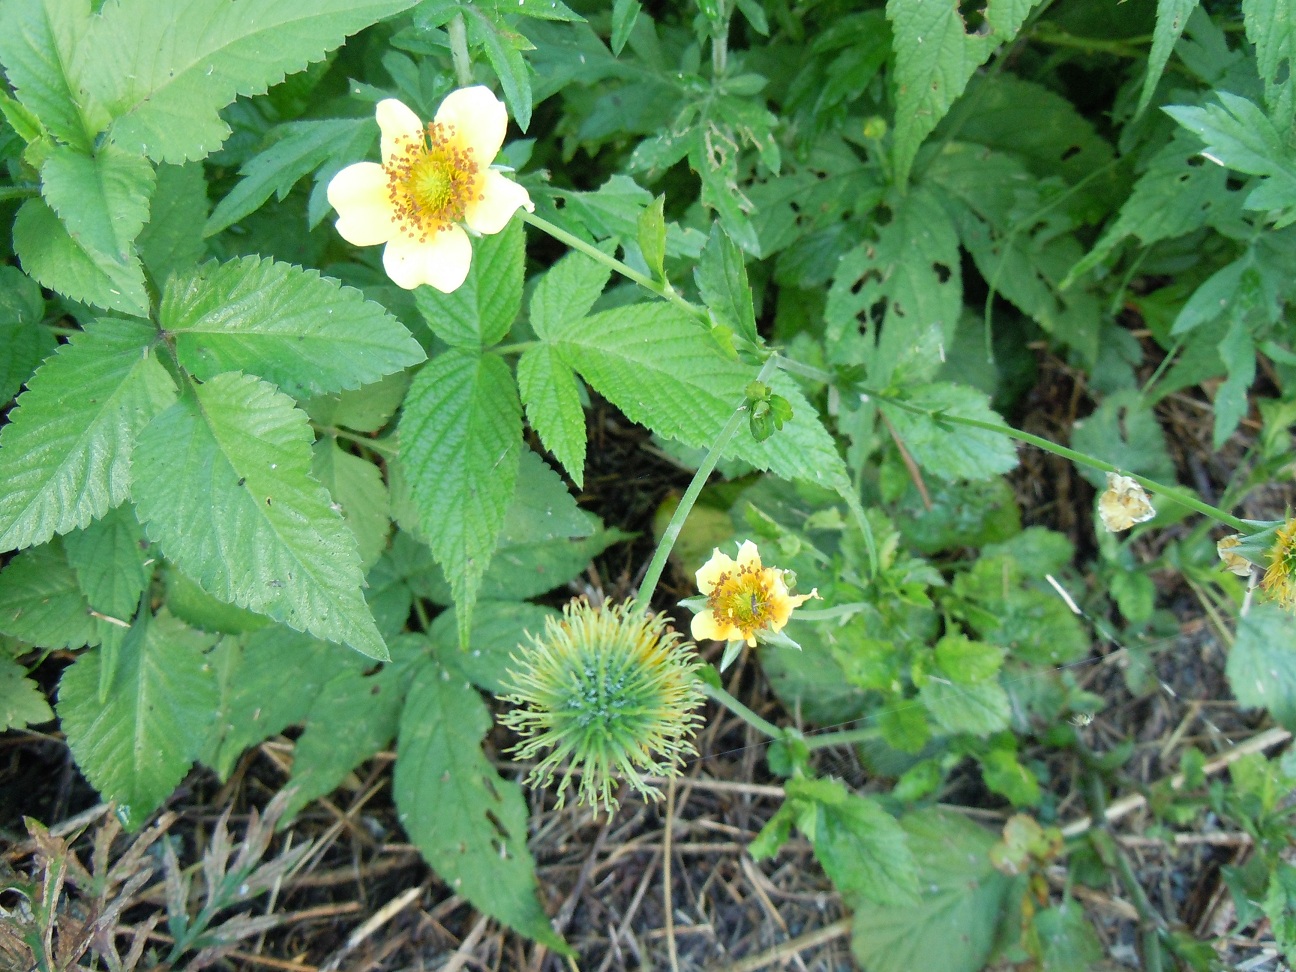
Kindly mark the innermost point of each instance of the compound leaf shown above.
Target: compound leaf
(552, 397)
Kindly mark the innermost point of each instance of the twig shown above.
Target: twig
(463, 954)
(379, 918)
(666, 876)
(781, 953)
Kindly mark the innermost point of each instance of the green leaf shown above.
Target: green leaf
(467, 821)
(967, 661)
(165, 76)
(498, 628)
(357, 487)
(963, 901)
(1171, 17)
(1124, 431)
(652, 233)
(65, 454)
(935, 56)
(948, 450)
(1004, 774)
(461, 434)
(980, 709)
(364, 409)
(137, 746)
(662, 370)
(1271, 27)
(566, 293)
(1261, 666)
(721, 277)
(552, 398)
(41, 43)
(300, 149)
(502, 50)
(482, 310)
(1066, 940)
(307, 333)
(613, 210)
(22, 703)
(222, 485)
(23, 342)
(198, 609)
(108, 558)
(624, 15)
(40, 601)
(172, 240)
(862, 848)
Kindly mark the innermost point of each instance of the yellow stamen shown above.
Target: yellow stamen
(430, 182)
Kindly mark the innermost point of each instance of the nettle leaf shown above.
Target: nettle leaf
(935, 56)
(1124, 431)
(223, 486)
(172, 239)
(307, 333)
(108, 558)
(1261, 666)
(22, 703)
(947, 450)
(40, 47)
(65, 454)
(552, 397)
(1171, 17)
(165, 78)
(136, 746)
(461, 436)
(1271, 28)
(721, 277)
(663, 371)
(467, 821)
(566, 293)
(357, 487)
(482, 310)
(23, 342)
(42, 602)
(963, 901)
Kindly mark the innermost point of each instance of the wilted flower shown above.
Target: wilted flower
(1233, 561)
(1280, 576)
(607, 690)
(1123, 504)
(434, 180)
(744, 599)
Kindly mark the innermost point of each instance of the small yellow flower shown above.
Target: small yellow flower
(1123, 504)
(1233, 562)
(1280, 576)
(743, 597)
(433, 181)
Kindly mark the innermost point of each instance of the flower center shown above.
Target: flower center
(430, 182)
(742, 599)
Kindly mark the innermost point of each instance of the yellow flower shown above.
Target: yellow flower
(1123, 504)
(1279, 582)
(434, 180)
(743, 598)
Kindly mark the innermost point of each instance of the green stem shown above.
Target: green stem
(376, 445)
(717, 694)
(458, 32)
(516, 348)
(663, 290)
(667, 542)
(845, 737)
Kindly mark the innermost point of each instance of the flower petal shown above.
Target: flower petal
(441, 261)
(398, 123)
(708, 575)
(704, 626)
(359, 194)
(500, 198)
(478, 119)
(749, 555)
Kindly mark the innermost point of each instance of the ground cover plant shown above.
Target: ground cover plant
(864, 424)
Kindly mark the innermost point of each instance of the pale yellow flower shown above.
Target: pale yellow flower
(743, 597)
(1123, 504)
(1233, 562)
(434, 181)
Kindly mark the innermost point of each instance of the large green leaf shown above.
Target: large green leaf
(1262, 665)
(1271, 27)
(23, 342)
(552, 398)
(662, 370)
(980, 709)
(137, 745)
(947, 450)
(566, 293)
(108, 558)
(467, 821)
(963, 898)
(1171, 17)
(461, 435)
(222, 485)
(22, 703)
(41, 48)
(65, 454)
(935, 56)
(498, 628)
(40, 601)
(172, 239)
(307, 333)
(165, 73)
(483, 308)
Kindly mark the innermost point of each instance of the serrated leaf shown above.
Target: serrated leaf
(967, 661)
(222, 485)
(461, 435)
(566, 292)
(935, 56)
(1171, 17)
(364, 409)
(963, 900)
(552, 398)
(948, 450)
(172, 239)
(198, 609)
(357, 487)
(980, 709)
(22, 703)
(505, 59)
(65, 454)
(498, 628)
(1124, 431)
(468, 822)
(652, 230)
(721, 277)
(1261, 665)
(307, 333)
(165, 75)
(663, 371)
(108, 558)
(484, 307)
(1271, 27)
(136, 747)
(23, 342)
(1066, 940)
(300, 148)
(40, 601)
(40, 47)
(613, 210)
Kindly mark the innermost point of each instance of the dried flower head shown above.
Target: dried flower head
(744, 598)
(1280, 576)
(1123, 504)
(434, 180)
(1233, 561)
(606, 690)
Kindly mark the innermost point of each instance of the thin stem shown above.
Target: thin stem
(516, 348)
(717, 694)
(845, 737)
(458, 32)
(663, 290)
(376, 445)
(658, 562)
